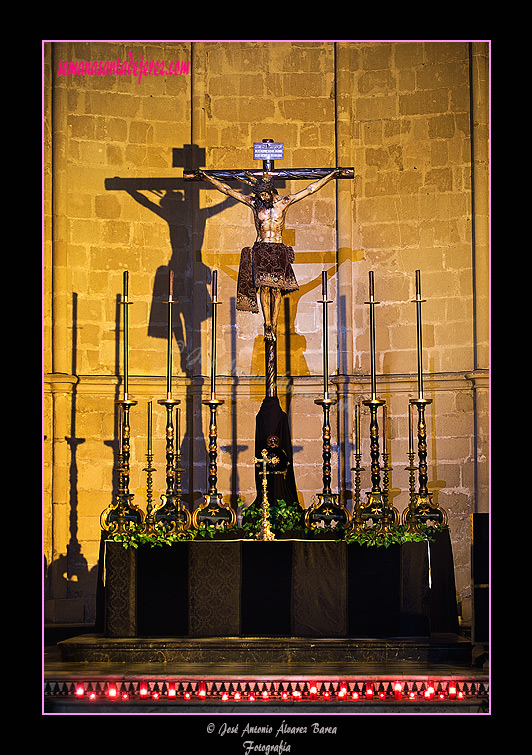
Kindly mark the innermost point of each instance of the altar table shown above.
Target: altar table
(283, 588)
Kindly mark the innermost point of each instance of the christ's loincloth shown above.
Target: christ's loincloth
(263, 265)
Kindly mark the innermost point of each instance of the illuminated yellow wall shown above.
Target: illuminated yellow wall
(402, 115)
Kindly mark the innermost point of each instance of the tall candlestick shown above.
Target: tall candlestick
(169, 347)
(120, 429)
(384, 429)
(213, 332)
(149, 450)
(126, 328)
(357, 429)
(372, 336)
(410, 430)
(419, 336)
(325, 335)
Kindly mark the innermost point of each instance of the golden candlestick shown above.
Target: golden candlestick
(408, 516)
(377, 507)
(123, 515)
(374, 505)
(421, 507)
(213, 511)
(357, 523)
(169, 513)
(149, 469)
(327, 508)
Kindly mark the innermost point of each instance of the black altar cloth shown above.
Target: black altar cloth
(283, 588)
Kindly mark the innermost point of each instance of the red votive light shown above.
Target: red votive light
(369, 690)
(397, 690)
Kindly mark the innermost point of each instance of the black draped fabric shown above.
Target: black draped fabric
(279, 588)
(266, 588)
(162, 591)
(444, 611)
(214, 589)
(374, 578)
(319, 603)
(271, 420)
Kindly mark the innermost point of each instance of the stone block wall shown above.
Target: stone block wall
(400, 113)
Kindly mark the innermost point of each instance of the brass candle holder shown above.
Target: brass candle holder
(408, 516)
(390, 515)
(265, 531)
(123, 515)
(170, 513)
(213, 511)
(149, 469)
(327, 508)
(377, 505)
(357, 522)
(422, 508)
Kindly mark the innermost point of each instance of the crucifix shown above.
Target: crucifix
(265, 532)
(266, 266)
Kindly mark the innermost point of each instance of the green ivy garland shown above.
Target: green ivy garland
(284, 519)
(370, 536)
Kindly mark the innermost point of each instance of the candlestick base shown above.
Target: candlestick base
(424, 511)
(170, 514)
(214, 512)
(377, 509)
(265, 532)
(328, 510)
(122, 515)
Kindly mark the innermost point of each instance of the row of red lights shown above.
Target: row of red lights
(364, 691)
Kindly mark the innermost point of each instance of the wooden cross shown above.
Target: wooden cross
(267, 150)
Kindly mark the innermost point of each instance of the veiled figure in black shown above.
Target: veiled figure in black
(272, 422)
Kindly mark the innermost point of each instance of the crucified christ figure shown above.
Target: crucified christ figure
(266, 266)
